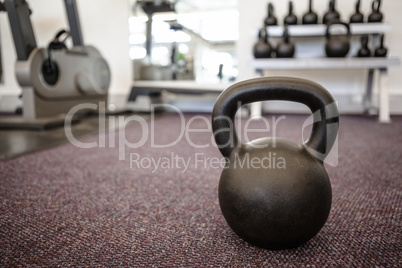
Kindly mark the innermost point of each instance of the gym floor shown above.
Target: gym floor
(65, 206)
(16, 142)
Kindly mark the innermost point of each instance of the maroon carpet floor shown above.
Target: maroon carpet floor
(72, 207)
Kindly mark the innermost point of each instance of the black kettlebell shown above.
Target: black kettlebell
(332, 14)
(273, 192)
(381, 50)
(364, 50)
(291, 18)
(270, 20)
(376, 15)
(285, 49)
(262, 49)
(310, 17)
(357, 17)
(337, 46)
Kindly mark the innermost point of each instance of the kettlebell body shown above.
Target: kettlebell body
(357, 17)
(310, 17)
(364, 50)
(332, 14)
(337, 46)
(273, 192)
(270, 20)
(279, 207)
(285, 49)
(262, 49)
(381, 50)
(291, 18)
(375, 15)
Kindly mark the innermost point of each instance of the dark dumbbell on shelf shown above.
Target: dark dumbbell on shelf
(291, 18)
(262, 49)
(381, 50)
(270, 20)
(364, 50)
(285, 49)
(376, 15)
(357, 17)
(310, 17)
(337, 46)
(332, 14)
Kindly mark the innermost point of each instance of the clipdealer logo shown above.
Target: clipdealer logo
(148, 135)
(199, 160)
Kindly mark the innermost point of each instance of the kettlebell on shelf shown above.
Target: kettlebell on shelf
(331, 14)
(270, 20)
(357, 17)
(285, 49)
(364, 50)
(337, 46)
(310, 17)
(273, 192)
(262, 49)
(381, 50)
(376, 15)
(291, 18)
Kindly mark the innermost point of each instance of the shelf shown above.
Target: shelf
(320, 29)
(324, 63)
(180, 86)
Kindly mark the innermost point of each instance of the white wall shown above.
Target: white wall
(104, 25)
(252, 14)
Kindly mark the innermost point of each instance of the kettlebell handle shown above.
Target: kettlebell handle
(330, 24)
(357, 6)
(286, 34)
(314, 96)
(378, 5)
(290, 8)
(263, 34)
(270, 9)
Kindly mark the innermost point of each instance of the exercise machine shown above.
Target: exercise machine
(56, 78)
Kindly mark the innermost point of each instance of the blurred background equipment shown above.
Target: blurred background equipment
(54, 79)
